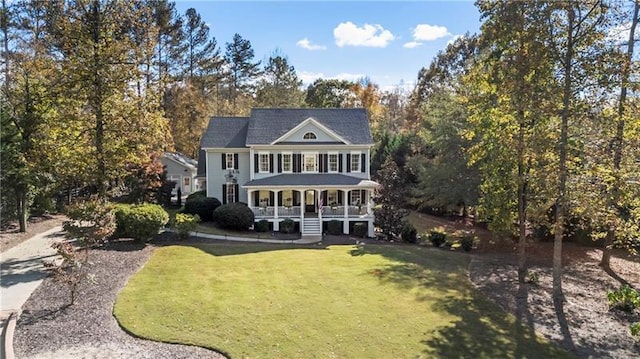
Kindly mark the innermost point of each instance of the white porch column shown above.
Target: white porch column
(369, 202)
(250, 198)
(345, 202)
(302, 199)
(276, 222)
(318, 197)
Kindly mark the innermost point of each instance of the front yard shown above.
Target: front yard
(343, 301)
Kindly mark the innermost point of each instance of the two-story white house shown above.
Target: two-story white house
(309, 165)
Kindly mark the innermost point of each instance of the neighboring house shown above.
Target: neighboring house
(310, 165)
(182, 170)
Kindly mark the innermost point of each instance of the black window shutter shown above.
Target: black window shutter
(363, 200)
(255, 163)
(348, 162)
(326, 162)
(295, 195)
(235, 161)
(324, 198)
(224, 194)
(271, 202)
(271, 163)
(362, 162)
(320, 163)
(279, 162)
(340, 194)
(348, 198)
(340, 163)
(236, 190)
(256, 198)
(280, 199)
(224, 161)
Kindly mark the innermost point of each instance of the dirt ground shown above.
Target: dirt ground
(10, 236)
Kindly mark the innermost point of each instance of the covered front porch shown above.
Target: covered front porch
(310, 206)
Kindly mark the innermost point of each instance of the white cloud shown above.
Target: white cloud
(306, 44)
(411, 45)
(349, 34)
(453, 39)
(308, 77)
(426, 32)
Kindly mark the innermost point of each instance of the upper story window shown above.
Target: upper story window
(309, 136)
(310, 162)
(263, 158)
(229, 159)
(355, 162)
(287, 162)
(231, 193)
(333, 162)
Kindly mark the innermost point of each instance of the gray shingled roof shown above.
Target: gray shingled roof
(182, 159)
(310, 179)
(268, 124)
(225, 132)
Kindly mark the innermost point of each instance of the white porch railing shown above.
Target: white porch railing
(283, 212)
(294, 212)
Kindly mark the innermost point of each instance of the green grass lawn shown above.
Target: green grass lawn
(376, 301)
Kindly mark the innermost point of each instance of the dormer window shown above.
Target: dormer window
(309, 136)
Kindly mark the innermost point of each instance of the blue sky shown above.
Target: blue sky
(387, 41)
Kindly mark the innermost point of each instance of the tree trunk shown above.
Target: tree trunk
(618, 140)
(522, 205)
(562, 165)
(23, 212)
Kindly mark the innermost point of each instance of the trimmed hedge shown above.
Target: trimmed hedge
(197, 194)
(437, 238)
(234, 216)
(202, 206)
(140, 222)
(287, 225)
(360, 229)
(185, 223)
(262, 226)
(409, 233)
(334, 227)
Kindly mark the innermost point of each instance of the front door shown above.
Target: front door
(310, 201)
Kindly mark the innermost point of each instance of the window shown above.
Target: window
(264, 162)
(309, 136)
(355, 162)
(332, 198)
(187, 182)
(264, 198)
(333, 162)
(231, 193)
(229, 161)
(286, 162)
(309, 162)
(355, 197)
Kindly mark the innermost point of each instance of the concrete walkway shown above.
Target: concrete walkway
(22, 268)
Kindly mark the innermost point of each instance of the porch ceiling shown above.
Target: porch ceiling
(326, 180)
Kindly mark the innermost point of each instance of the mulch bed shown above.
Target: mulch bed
(49, 328)
(10, 235)
(589, 329)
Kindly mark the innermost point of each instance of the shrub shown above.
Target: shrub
(91, 222)
(140, 222)
(625, 298)
(409, 233)
(185, 223)
(202, 206)
(635, 329)
(360, 229)
(466, 243)
(334, 227)
(234, 215)
(262, 226)
(287, 225)
(197, 194)
(437, 238)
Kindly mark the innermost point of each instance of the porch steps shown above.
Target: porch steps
(311, 227)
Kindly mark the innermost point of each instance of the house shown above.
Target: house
(309, 165)
(182, 170)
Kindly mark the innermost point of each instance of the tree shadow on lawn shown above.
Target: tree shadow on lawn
(482, 329)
